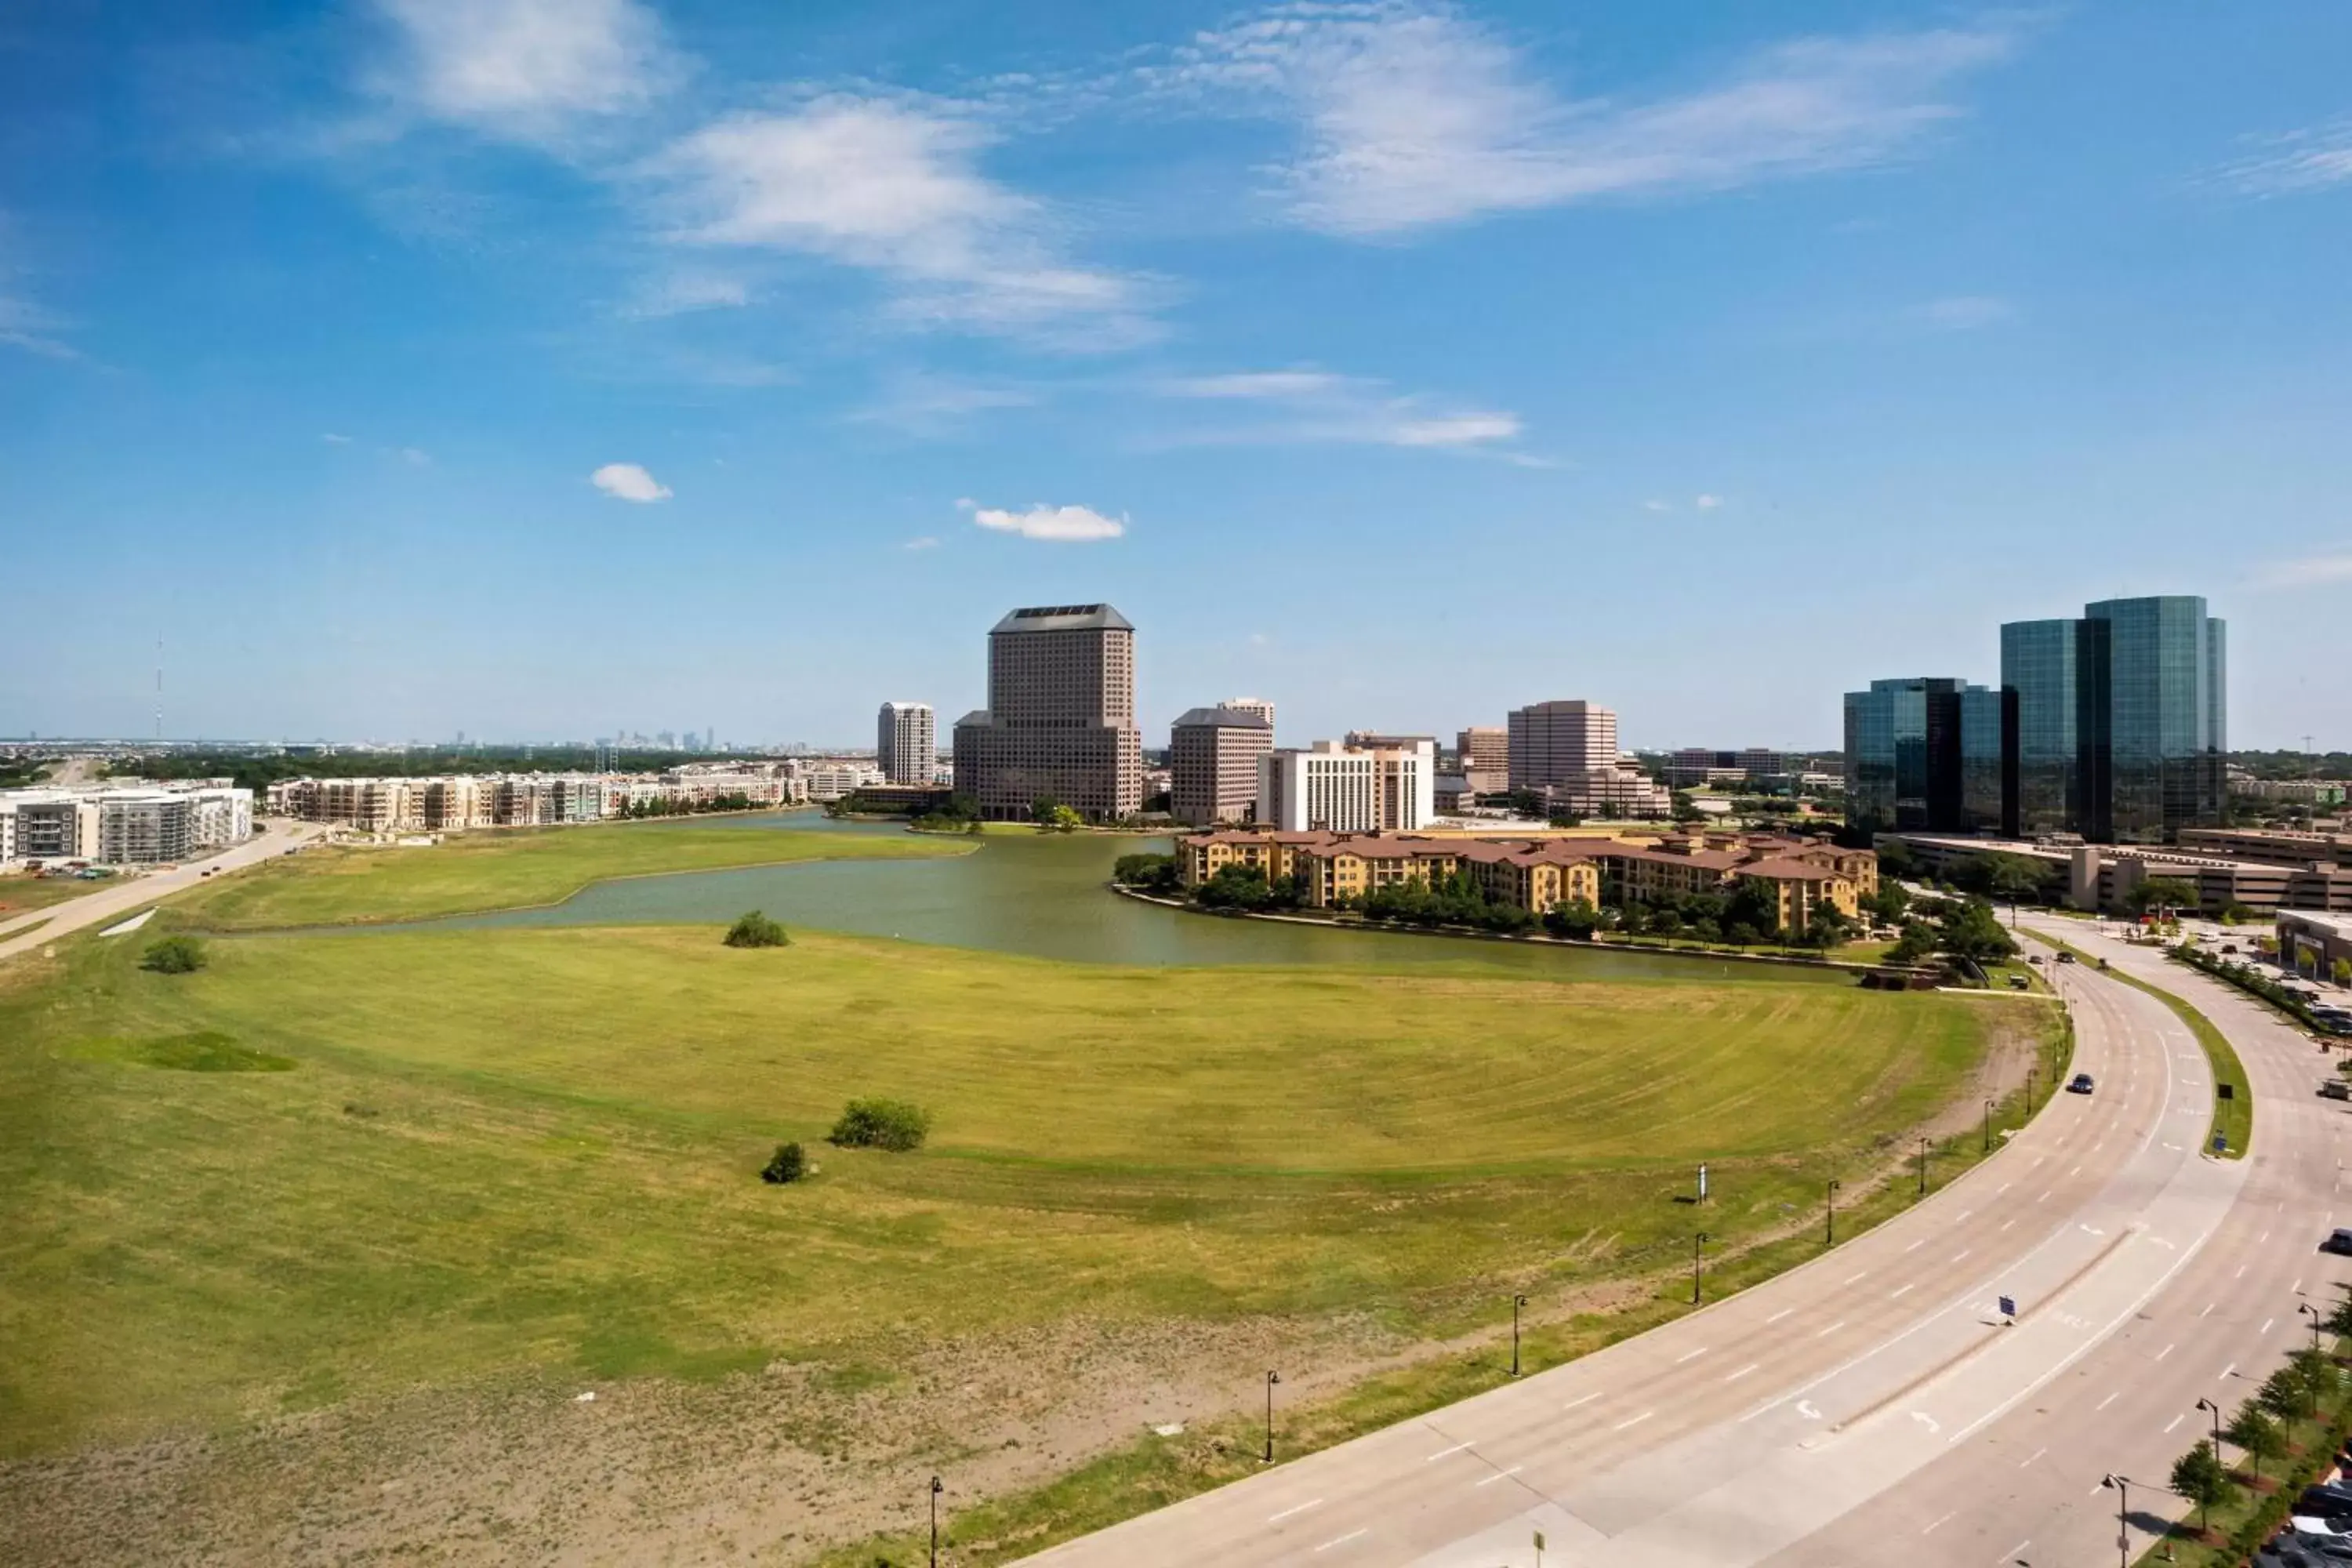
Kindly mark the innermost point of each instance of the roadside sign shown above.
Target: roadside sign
(1702, 1184)
(2008, 1307)
(2220, 1142)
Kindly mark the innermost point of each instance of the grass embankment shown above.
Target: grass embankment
(507, 869)
(502, 1151)
(1153, 1471)
(23, 892)
(2234, 1117)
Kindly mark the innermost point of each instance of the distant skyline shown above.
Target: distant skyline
(552, 368)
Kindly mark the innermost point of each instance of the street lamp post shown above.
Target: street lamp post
(1923, 1167)
(1516, 1302)
(2123, 1518)
(1988, 1127)
(936, 1490)
(1271, 1379)
(1698, 1246)
(2308, 1310)
(1829, 1216)
(2029, 1088)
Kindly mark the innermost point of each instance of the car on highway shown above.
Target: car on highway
(2339, 1241)
(2336, 1088)
(2079, 1084)
(2065, 958)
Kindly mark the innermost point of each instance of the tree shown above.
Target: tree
(1827, 926)
(2340, 1320)
(2200, 1476)
(1891, 903)
(1235, 887)
(877, 1123)
(2258, 1435)
(1917, 941)
(1579, 920)
(2316, 1373)
(1686, 809)
(2014, 878)
(1967, 928)
(1895, 860)
(174, 955)
(787, 1164)
(2341, 971)
(1528, 803)
(1151, 873)
(2164, 893)
(2285, 1394)
(756, 930)
(1754, 906)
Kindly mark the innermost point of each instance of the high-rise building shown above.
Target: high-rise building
(1558, 743)
(905, 745)
(1213, 756)
(1924, 754)
(1060, 720)
(2121, 719)
(1484, 749)
(1258, 705)
(1343, 789)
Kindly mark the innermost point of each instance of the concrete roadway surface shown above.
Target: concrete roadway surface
(1870, 1406)
(124, 896)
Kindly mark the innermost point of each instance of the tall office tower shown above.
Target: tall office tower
(1060, 720)
(1213, 756)
(1342, 789)
(906, 747)
(2122, 728)
(1925, 753)
(1560, 742)
(1483, 748)
(1258, 705)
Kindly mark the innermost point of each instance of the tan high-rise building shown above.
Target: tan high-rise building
(1558, 742)
(904, 747)
(1483, 748)
(1258, 705)
(1060, 720)
(1213, 756)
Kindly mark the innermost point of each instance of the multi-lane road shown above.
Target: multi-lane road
(1873, 1406)
(115, 899)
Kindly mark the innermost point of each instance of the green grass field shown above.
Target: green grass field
(340, 1165)
(22, 892)
(510, 869)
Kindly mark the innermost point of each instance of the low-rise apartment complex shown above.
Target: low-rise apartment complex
(456, 803)
(132, 823)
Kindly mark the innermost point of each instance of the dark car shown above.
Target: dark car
(2340, 1240)
(2325, 1499)
(2079, 1084)
(2065, 958)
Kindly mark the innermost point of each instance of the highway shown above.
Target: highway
(1872, 1405)
(122, 897)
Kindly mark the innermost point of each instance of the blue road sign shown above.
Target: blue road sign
(2220, 1142)
(2008, 1307)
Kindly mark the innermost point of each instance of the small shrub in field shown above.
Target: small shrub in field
(892, 1125)
(787, 1164)
(756, 930)
(173, 955)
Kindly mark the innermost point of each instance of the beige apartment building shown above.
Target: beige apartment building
(1060, 720)
(1213, 756)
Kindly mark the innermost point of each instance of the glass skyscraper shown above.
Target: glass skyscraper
(1924, 754)
(2121, 719)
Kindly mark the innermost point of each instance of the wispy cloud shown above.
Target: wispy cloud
(1259, 383)
(678, 293)
(629, 481)
(918, 403)
(415, 457)
(1706, 503)
(1966, 312)
(926, 541)
(1413, 114)
(332, 439)
(2319, 571)
(1313, 406)
(893, 186)
(26, 325)
(1058, 524)
(2312, 159)
(537, 71)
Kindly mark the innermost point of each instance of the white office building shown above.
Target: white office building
(1257, 705)
(128, 824)
(906, 745)
(1342, 789)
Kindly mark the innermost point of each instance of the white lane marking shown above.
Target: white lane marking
(1926, 1420)
(1945, 1519)
(1781, 1314)
(2075, 1172)
(2017, 1551)
(1852, 1278)
(1833, 1328)
(1636, 1422)
(1302, 1508)
(2171, 1423)
(1960, 1254)
(1499, 1476)
(2110, 1399)
(2007, 1222)
(1805, 1408)
(2209, 1310)
(2002, 1188)
(1442, 1452)
(2165, 1351)
(1743, 1372)
(2241, 1274)
(2266, 1325)
(2295, 1288)
(2266, 1236)
(1581, 1399)
(1343, 1540)
(2044, 1195)
(1693, 1355)
(1964, 1214)
(1900, 1293)
(2226, 1371)
(2027, 1463)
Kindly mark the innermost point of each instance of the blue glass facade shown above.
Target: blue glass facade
(2038, 672)
(1924, 754)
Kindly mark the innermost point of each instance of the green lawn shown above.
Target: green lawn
(511, 868)
(22, 891)
(535, 1150)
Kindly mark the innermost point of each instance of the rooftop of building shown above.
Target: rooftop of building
(1219, 718)
(1063, 618)
(2337, 925)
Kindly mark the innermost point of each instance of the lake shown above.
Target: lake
(1041, 895)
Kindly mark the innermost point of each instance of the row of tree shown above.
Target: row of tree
(2297, 1391)
(673, 805)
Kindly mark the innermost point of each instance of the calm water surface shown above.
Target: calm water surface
(1037, 894)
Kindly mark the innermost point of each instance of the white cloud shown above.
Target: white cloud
(1657, 506)
(628, 481)
(2312, 159)
(1707, 503)
(1966, 312)
(1413, 115)
(893, 185)
(1064, 524)
(334, 440)
(413, 457)
(926, 543)
(2309, 572)
(26, 326)
(1453, 430)
(1257, 384)
(528, 70)
(921, 404)
(678, 293)
(1321, 407)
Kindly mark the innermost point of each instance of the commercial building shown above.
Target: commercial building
(1258, 705)
(1555, 743)
(1329, 787)
(1620, 793)
(2105, 877)
(2121, 721)
(1060, 720)
(1484, 749)
(1925, 753)
(1212, 764)
(2313, 945)
(125, 823)
(905, 745)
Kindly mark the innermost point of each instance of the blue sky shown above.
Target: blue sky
(552, 367)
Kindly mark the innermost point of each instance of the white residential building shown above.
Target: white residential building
(126, 824)
(906, 742)
(1339, 789)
